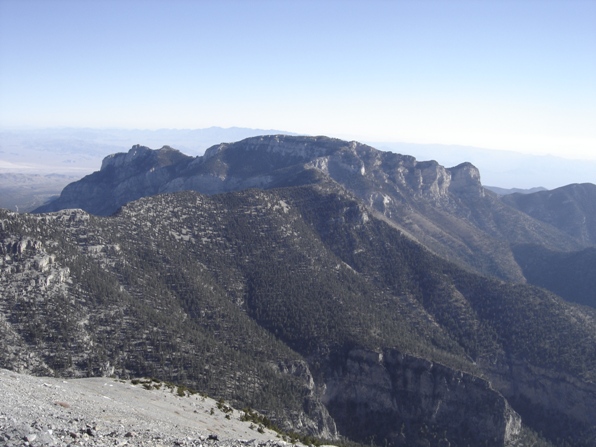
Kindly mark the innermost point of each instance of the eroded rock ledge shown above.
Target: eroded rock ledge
(394, 396)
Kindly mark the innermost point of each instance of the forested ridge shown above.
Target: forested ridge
(258, 296)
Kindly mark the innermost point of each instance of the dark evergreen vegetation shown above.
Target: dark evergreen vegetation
(244, 296)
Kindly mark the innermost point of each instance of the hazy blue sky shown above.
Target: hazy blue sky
(517, 75)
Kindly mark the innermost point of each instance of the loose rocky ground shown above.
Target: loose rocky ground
(41, 411)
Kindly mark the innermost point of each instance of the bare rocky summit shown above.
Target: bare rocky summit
(45, 411)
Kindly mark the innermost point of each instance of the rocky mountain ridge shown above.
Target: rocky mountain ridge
(445, 209)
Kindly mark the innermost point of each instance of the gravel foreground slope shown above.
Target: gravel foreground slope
(42, 411)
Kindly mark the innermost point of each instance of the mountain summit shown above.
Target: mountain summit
(266, 161)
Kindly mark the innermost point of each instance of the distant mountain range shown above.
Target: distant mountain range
(338, 289)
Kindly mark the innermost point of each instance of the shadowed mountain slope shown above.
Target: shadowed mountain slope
(571, 275)
(301, 302)
(571, 209)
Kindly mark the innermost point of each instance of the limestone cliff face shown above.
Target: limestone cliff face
(297, 148)
(398, 397)
(258, 162)
(465, 179)
(123, 177)
(315, 418)
(138, 155)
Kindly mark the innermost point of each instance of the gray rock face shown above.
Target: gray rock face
(395, 396)
(320, 421)
(123, 177)
(557, 403)
(30, 273)
(465, 179)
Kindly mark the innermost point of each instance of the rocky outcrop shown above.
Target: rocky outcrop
(123, 177)
(138, 154)
(263, 162)
(28, 274)
(402, 399)
(315, 420)
(465, 179)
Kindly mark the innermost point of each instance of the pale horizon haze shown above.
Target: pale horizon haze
(507, 75)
